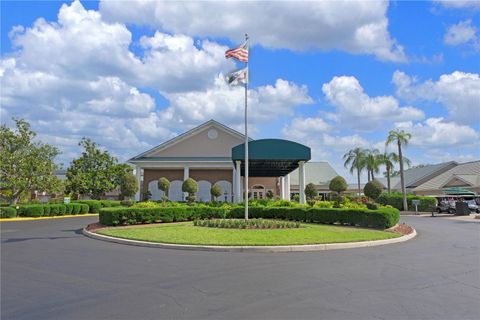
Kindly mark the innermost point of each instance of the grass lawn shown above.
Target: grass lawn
(186, 233)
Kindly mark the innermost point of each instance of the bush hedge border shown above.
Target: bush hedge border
(382, 218)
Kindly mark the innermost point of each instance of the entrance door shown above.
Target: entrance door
(258, 192)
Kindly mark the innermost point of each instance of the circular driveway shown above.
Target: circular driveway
(49, 270)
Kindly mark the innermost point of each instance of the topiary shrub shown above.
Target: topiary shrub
(215, 191)
(68, 208)
(338, 184)
(33, 211)
(164, 185)
(8, 212)
(310, 191)
(77, 207)
(84, 208)
(373, 189)
(190, 186)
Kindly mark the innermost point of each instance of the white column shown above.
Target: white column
(282, 188)
(138, 175)
(301, 179)
(287, 187)
(234, 185)
(186, 172)
(238, 181)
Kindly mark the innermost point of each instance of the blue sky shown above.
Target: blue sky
(131, 76)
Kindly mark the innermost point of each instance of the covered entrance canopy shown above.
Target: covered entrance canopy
(271, 157)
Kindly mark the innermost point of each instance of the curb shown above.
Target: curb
(47, 218)
(292, 248)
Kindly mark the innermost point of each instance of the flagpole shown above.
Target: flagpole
(246, 136)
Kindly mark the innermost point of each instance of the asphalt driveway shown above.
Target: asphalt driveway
(49, 270)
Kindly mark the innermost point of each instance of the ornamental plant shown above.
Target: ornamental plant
(310, 191)
(164, 185)
(373, 189)
(215, 191)
(190, 186)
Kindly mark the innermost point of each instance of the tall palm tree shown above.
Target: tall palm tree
(400, 137)
(389, 160)
(355, 158)
(373, 160)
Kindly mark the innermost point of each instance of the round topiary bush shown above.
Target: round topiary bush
(190, 186)
(310, 191)
(373, 189)
(338, 184)
(216, 191)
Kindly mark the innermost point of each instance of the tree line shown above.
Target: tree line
(28, 165)
(370, 160)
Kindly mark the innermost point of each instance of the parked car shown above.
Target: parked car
(473, 206)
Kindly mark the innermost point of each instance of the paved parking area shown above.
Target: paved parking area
(49, 270)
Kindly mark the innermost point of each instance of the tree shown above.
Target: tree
(400, 138)
(355, 158)
(373, 160)
(311, 191)
(190, 186)
(94, 173)
(373, 189)
(389, 160)
(215, 191)
(25, 165)
(128, 184)
(338, 184)
(164, 185)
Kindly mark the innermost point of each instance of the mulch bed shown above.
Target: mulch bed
(403, 229)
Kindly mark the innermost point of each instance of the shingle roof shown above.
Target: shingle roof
(318, 173)
(468, 172)
(414, 175)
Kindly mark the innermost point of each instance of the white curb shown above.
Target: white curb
(292, 248)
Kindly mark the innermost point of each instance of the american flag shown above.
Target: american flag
(240, 53)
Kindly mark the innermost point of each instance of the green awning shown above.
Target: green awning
(271, 157)
(458, 191)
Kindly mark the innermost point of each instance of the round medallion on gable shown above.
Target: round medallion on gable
(212, 134)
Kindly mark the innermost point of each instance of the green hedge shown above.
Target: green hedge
(45, 210)
(94, 205)
(382, 218)
(132, 215)
(395, 200)
(8, 212)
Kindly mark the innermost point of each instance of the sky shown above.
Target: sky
(333, 75)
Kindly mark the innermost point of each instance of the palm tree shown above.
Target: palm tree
(400, 137)
(389, 160)
(355, 158)
(373, 160)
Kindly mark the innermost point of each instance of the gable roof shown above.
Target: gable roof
(188, 134)
(318, 173)
(414, 176)
(468, 172)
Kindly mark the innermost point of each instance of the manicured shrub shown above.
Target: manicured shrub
(76, 208)
(110, 203)
(215, 191)
(190, 186)
(338, 184)
(395, 200)
(310, 191)
(164, 185)
(373, 189)
(8, 212)
(246, 224)
(84, 208)
(135, 215)
(33, 210)
(68, 208)
(47, 211)
(127, 203)
(94, 205)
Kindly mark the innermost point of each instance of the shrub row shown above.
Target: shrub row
(96, 205)
(8, 212)
(42, 210)
(133, 215)
(395, 200)
(381, 218)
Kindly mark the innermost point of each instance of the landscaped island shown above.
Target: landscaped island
(187, 233)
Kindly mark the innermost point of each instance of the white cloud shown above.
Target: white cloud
(226, 104)
(436, 132)
(458, 91)
(459, 4)
(357, 110)
(461, 33)
(323, 25)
